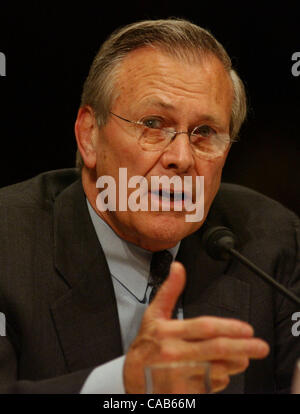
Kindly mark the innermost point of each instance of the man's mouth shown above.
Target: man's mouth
(173, 196)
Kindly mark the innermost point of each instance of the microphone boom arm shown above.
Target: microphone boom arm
(263, 275)
(219, 243)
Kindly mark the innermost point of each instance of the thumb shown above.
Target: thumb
(169, 292)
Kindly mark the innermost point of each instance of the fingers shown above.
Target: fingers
(219, 384)
(220, 372)
(227, 344)
(231, 349)
(204, 327)
(219, 369)
(217, 349)
(167, 296)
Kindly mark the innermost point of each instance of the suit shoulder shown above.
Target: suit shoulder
(244, 209)
(37, 191)
(252, 201)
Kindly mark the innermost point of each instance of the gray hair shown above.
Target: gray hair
(177, 37)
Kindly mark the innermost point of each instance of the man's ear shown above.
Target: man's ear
(86, 131)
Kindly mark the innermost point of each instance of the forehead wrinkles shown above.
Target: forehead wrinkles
(149, 72)
(157, 71)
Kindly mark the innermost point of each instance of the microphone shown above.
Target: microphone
(219, 243)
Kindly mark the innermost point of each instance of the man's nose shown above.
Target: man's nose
(179, 154)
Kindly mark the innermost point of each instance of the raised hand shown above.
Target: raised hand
(228, 344)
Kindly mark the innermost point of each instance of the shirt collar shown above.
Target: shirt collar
(128, 263)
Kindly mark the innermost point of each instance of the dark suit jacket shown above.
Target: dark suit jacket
(57, 295)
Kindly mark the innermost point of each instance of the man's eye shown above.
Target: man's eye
(152, 123)
(204, 131)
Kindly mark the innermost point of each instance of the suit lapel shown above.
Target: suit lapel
(86, 317)
(212, 289)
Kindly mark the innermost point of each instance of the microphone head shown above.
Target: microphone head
(217, 241)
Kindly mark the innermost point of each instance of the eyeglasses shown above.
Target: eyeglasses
(153, 136)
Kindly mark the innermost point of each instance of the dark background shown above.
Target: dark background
(49, 48)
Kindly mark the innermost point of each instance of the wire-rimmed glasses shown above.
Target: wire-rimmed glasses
(204, 140)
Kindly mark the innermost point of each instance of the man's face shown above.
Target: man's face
(151, 83)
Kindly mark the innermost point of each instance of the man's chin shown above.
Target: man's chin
(163, 230)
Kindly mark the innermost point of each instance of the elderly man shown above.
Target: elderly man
(161, 99)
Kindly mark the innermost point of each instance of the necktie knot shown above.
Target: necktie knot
(159, 270)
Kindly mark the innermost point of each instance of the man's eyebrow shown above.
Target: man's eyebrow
(209, 118)
(159, 102)
(155, 101)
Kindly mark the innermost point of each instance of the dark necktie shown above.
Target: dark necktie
(159, 270)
